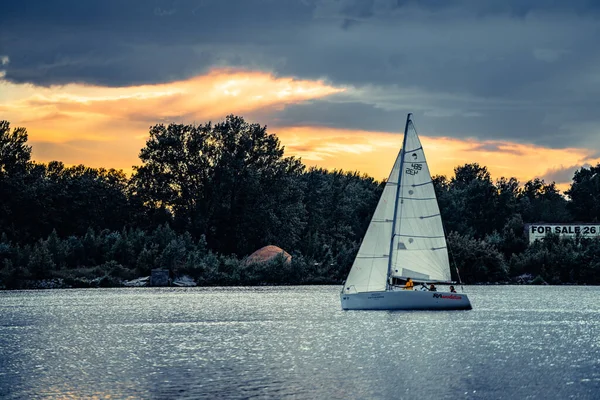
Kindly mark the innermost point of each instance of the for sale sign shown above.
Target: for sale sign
(539, 231)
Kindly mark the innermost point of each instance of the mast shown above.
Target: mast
(389, 271)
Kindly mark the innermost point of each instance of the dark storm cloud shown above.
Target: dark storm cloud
(347, 115)
(119, 43)
(514, 69)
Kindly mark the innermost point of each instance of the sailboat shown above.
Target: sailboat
(405, 239)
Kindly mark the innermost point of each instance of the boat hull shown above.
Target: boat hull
(405, 300)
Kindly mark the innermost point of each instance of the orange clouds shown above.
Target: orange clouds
(204, 97)
(208, 96)
(107, 126)
(374, 153)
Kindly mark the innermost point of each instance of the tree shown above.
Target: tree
(472, 201)
(513, 238)
(15, 154)
(556, 260)
(40, 261)
(339, 207)
(585, 194)
(229, 181)
(15, 158)
(506, 200)
(542, 202)
(477, 260)
(66, 199)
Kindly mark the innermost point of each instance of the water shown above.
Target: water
(296, 342)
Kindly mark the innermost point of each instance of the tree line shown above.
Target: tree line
(205, 196)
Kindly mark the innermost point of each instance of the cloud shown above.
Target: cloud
(164, 12)
(93, 112)
(107, 126)
(562, 174)
(441, 115)
(498, 147)
(3, 61)
(374, 152)
(119, 153)
(548, 55)
(521, 71)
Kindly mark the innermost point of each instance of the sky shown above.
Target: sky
(511, 84)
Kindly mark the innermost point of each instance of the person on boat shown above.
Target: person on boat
(432, 288)
(423, 287)
(409, 285)
(452, 289)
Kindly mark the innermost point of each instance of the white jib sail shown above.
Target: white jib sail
(370, 267)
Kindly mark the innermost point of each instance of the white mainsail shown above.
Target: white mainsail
(417, 245)
(420, 250)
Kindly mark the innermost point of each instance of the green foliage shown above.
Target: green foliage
(276, 271)
(41, 198)
(513, 239)
(476, 259)
(585, 194)
(562, 260)
(556, 260)
(12, 276)
(470, 201)
(538, 280)
(14, 152)
(588, 269)
(542, 202)
(40, 261)
(228, 181)
(145, 261)
(205, 196)
(339, 206)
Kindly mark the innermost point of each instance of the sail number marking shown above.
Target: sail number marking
(414, 169)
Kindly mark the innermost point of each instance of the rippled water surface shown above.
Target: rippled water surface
(296, 342)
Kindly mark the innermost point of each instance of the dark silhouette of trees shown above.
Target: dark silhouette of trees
(15, 154)
(228, 181)
(585, 194)
(206, 196)
(542, 202)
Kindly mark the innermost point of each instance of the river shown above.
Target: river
(535, 342)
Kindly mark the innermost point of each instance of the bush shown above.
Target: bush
(538, 280)
(477, 260)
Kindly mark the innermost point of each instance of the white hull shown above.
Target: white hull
(405, 300)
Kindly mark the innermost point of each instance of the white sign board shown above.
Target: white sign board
(539, 231)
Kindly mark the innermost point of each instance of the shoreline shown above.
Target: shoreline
(50, 284)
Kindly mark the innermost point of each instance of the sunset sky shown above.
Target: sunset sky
(512, 85)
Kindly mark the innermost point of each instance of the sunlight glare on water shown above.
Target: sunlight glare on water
(296, 342)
